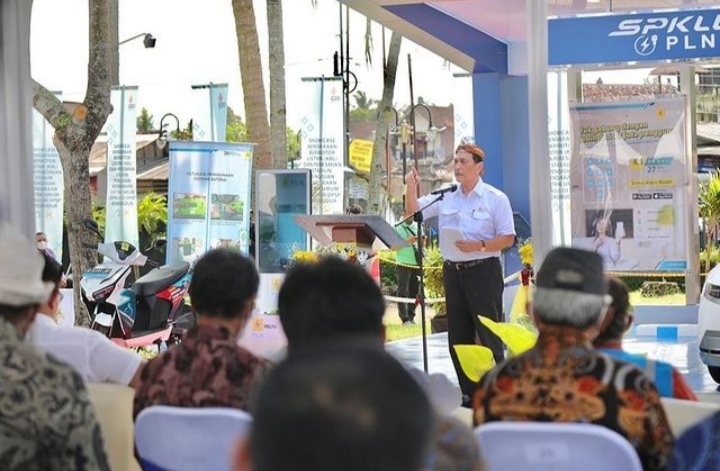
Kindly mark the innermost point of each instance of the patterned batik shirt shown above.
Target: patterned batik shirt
(47, 422)
(208, 369)
(562, 379)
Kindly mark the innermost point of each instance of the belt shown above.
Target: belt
(469, 263)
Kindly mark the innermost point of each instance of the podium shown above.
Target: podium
(352, 229)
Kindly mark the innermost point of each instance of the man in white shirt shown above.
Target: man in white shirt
(90, 353)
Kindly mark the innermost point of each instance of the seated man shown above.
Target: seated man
(90, 353)
(668, 380)
(209, 369)
(562, 378)
(334, 300)
(351, 407)
(46, 419)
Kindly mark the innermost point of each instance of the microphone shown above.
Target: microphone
(447, 189)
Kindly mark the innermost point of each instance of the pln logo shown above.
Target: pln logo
(646, 44)
(131, 102)
(221, 102)
(334, 96)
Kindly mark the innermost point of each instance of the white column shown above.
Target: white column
(540, 208)
(692, 235)
(17, 205)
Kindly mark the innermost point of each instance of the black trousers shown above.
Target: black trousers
(470, 292)
(408, 284)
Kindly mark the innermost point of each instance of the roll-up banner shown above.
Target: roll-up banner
(210, 115)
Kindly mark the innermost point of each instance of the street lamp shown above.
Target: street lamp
(430, 133)
(148, 40)
(162, 140)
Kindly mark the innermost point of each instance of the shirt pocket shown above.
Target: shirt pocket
(480, 214)
(449, 216)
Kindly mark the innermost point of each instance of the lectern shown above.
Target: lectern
(352, 229)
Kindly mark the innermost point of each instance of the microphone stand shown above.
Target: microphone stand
(417, 216)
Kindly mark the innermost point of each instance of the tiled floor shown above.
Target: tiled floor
(682, 353)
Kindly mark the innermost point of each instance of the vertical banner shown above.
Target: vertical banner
(321, 146)
(559, 143)
(121, 221)
(208, 198)
(463, 109)
(210, 117)
(628, 182)
(49, 184)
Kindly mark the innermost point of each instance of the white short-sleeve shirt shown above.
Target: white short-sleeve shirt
(483, 214)
(90, 353)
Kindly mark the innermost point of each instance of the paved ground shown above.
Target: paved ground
(681, 353)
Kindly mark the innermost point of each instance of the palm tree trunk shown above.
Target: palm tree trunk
(252, 82)
(278, 123)
(376, 195)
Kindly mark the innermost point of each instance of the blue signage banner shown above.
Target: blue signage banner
(649, 37)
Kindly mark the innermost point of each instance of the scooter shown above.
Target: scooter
(150, 312)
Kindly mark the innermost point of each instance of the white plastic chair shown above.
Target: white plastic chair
(540, 446)
(189, 439)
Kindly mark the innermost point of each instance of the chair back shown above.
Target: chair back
(683, 414)
(546, 446)
(189, 439)
(113, 405)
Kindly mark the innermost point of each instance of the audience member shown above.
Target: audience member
(93, 355)
(668, 380)
(350, 408)
(209, 369)
(697, 448)
(47, 422)
(334, 300)
(562, 378)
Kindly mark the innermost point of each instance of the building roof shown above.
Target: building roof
(152, 162)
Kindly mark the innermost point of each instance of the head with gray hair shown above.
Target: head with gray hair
(571, 289)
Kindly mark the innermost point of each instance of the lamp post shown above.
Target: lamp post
(387, 162)
(162, 140)
(148, 41)
(430, 133)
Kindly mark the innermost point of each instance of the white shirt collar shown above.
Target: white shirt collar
(44, 320)
(479, 188)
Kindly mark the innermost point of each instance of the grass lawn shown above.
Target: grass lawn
(396, 331)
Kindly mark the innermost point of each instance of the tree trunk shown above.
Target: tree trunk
(77, 207)
(252, 82)
(278, 121)
(376, 196)
(77, 126)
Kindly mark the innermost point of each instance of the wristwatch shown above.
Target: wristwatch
(483, 249)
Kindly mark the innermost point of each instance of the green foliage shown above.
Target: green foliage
(98, 213)
(362, 101)
(152, 214)
(654, 289)
(432, 264)
(235, 130)
(388, 275)
(293, 144)
(184, 134)
(709, 209)
(145, 121)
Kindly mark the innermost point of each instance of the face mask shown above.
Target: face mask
(42, 245)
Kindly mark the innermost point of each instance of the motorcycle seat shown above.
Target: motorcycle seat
(160, 278)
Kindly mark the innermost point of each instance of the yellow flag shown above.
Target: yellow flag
(517, 338)
(475, 360)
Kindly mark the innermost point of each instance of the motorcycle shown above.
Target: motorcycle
(151, 311)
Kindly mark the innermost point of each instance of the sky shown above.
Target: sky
(196, 44)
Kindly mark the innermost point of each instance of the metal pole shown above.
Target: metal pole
(692, 233)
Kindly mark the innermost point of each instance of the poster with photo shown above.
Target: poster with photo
(209, 198)
(628, 181)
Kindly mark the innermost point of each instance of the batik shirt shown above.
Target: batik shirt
(562, 379)
(208, 369)
(47, 422)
